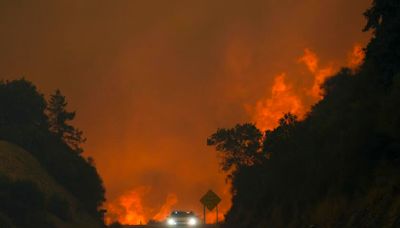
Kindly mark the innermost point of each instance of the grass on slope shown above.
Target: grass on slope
(18, 164)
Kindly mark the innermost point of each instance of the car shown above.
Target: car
(182, 218)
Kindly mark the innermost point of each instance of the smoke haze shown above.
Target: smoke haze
(150, 80)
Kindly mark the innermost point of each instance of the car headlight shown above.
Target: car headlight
(171, 222)
(192, 222)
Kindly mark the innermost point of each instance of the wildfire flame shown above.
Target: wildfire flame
(129, 209)
(283, 98)
(171, 200)
(311, 60)
(356, 56)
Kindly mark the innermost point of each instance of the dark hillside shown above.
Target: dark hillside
(32, 198)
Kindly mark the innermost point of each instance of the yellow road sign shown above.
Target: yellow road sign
(210, 200)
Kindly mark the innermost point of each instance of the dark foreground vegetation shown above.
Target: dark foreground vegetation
(42, 128)
(340, 166)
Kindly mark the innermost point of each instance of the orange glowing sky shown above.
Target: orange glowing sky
(150, 80)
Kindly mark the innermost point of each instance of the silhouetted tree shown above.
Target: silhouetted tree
(44, 131)
(22, 117)
(58, 120)
(383, 18)
(239, 146)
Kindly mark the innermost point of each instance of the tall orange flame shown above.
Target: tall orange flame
(171, 200)
(128, 208)
(311, 60)
(282, 100)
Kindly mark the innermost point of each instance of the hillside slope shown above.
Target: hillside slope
(17, 164)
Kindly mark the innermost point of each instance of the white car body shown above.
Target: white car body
(182, 218)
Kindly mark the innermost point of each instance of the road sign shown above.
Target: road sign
(210, 200)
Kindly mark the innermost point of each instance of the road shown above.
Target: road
(163, 226)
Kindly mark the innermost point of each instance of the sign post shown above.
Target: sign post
(204, 214)
(210, 200)
(217, 214)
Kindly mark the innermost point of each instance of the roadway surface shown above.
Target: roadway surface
(164, 226)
